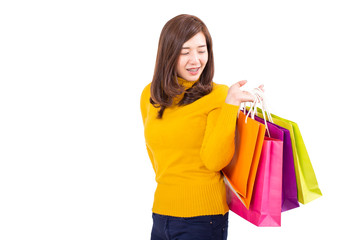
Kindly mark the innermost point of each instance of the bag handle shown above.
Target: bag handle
(259, 99)
(265, 109)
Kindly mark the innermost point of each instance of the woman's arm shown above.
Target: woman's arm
(219, 141)
(218, 145)
(144, 107)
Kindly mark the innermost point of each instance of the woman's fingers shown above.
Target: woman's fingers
(236, 95)
(241, 83)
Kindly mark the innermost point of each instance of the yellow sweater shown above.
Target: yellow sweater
(188, 147)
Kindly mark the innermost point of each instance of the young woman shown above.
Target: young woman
(189, 127)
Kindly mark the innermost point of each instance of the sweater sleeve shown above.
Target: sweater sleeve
(144, 107)
(218, 146)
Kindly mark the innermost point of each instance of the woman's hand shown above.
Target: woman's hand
(236, 96)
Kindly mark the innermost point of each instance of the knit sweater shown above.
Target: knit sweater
(188, 147)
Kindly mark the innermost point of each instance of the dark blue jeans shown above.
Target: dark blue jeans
(213, 227)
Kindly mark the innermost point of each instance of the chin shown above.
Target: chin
(192, 78)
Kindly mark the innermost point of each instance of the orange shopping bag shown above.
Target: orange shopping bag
(241, 171)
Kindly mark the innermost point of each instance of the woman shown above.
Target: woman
(189, 127)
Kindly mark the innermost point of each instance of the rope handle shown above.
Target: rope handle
(259, 99)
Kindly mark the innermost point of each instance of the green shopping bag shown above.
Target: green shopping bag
(307, 185)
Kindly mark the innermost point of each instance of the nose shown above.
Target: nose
(194, 58)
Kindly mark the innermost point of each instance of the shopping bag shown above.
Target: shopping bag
(289, 188)
(307, 185)
(241, 171)
(265, 207)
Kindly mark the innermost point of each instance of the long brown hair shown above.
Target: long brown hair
(164, 86)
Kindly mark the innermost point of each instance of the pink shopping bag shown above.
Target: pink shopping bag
(289, 189)
(265, 206)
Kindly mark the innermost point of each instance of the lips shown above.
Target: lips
(193, 71)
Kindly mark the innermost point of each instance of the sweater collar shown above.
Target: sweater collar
(185, 83)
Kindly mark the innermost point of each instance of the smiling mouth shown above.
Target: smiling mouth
(193, 70)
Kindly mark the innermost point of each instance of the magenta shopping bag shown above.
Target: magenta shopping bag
(265, 207)
(289, 188)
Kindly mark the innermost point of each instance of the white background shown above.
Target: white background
(73, 162)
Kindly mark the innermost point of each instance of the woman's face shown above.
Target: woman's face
(193, 58)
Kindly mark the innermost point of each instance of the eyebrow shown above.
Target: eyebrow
(198, 47)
